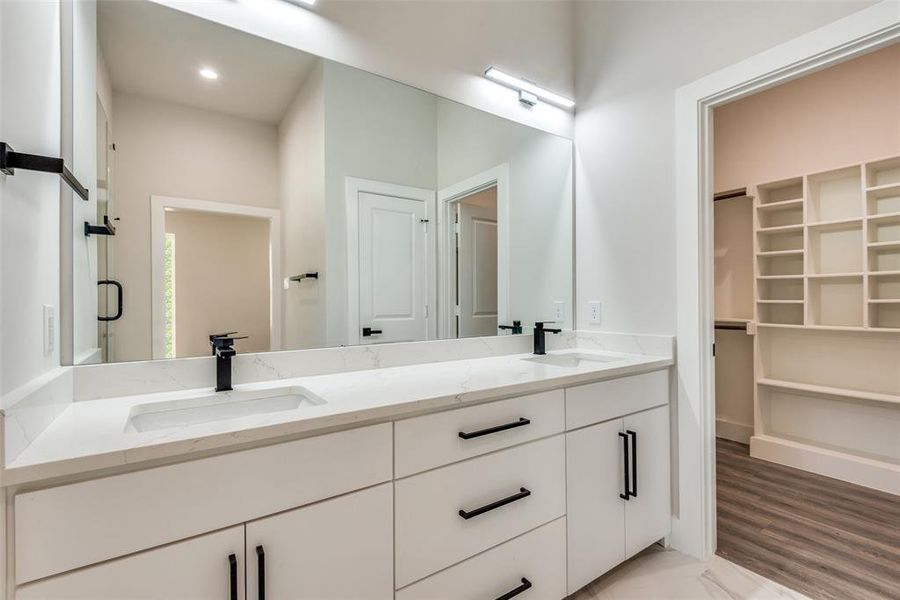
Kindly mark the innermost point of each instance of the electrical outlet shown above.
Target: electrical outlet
(594, 308)
(49, 329)
(559, 311)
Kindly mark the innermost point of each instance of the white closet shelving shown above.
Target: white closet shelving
(827, 297)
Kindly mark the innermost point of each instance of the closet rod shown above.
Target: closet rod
(732, 327)
(729, 194)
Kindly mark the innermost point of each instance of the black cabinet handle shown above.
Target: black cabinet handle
(474, 434)
(515, 592)
(367, 331)
(626, 495)
(633, 435)
(260, 573)
(232, 575)
(523, 493)
(120, 296)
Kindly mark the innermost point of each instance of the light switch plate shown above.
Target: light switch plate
(49, 329)
(594, 308)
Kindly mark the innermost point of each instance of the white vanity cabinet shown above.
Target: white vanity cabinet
(618, 491)
(208, 567)
(534, 495)
(336, 549)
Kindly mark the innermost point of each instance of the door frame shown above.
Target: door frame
(353, 187)
(446, 197)
(158, 206)
(694, 523)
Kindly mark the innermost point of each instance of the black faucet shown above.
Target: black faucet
(223, 349)
(539, 341)
(516, 327)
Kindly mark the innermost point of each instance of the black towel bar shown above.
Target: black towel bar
(11, 160)
(105, 229)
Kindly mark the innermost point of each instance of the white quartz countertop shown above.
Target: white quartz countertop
(93, 435)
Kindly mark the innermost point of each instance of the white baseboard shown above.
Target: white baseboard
(876, 474)
(736, 432)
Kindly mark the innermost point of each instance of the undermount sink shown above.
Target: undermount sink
(209, 407)
(571, 359)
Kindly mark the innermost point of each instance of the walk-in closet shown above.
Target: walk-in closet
(807, 274)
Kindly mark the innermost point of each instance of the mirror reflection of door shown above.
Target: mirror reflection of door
(393, 269)
(476, 264)
(216, 280)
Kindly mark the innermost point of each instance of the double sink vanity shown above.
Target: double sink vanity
(488, 477)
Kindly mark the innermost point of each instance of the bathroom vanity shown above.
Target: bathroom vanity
(480, 478)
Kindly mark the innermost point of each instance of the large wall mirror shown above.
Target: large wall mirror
(252, 187)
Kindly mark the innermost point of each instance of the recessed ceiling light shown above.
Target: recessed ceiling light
(523, 85)
(207, 73)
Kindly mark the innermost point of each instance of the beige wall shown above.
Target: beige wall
(301, 154)
(172, 150)
(733, 238)
(843, 115)
(221, 280)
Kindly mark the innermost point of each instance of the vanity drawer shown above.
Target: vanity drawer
(422, 443)
(604, 400)
(70, 526)
(431, 533)
(538, 556)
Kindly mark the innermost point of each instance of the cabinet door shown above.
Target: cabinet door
(339, 548)
(199, 569)
(648, 514)
(596, 513)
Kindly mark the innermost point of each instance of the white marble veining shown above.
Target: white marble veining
(669, 575)
(92, 435)
(30, 409)
(119, 379)
(107, 381)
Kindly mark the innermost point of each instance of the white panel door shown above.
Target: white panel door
(338, 549)
(596, 512)
(208, 567)
(393, 269)
(477, 270)
(648, 511)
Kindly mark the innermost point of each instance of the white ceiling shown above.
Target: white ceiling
(157, 51)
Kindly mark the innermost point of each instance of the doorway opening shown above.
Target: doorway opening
(475, 265)
(807, 329)
(215, 269)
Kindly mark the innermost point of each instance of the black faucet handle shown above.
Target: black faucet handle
(516, 327)
(215, 336)
(225, 339)
(540, 325)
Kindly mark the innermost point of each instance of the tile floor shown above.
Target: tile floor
(659, 574)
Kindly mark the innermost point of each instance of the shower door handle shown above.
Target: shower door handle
(120, 297)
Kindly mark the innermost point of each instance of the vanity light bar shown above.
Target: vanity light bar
(495, 74)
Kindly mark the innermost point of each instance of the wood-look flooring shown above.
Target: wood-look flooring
(825, 538)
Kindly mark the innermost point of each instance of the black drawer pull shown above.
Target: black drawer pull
(626, 495)
(474, 434)
(523, 493)
(633, 435)
(260, 573)
(515, 592)
(232, 575)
